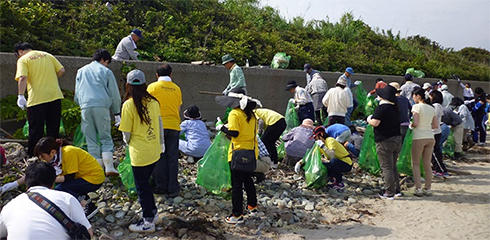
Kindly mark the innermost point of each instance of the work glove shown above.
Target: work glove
(219, 124)
(369, 117)
(369, 95)
(320, 143)
(21, 101)
(297, 167)
(291, 100)
(357, 82)
(9, 186)
(117, 120)
(163, 147)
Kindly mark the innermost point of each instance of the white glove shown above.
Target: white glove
(297, 167)
(9, 186)
(163, 147)
(320, 143)
(219, 124)
(369, 117)
(291, 100)
(487, 123)
(117, 120)
(369, 95)
(21, 101)
(357, 82)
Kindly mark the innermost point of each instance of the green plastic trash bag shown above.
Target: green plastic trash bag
(415, 73)
(25, 129)
(79, 138)
(280, 60)
(315, 171)
(291, 117)
(371, 105)
(404, 164)
(368, 158)
(361, 95)
(126, 173)
(213, 170)
(448, 146)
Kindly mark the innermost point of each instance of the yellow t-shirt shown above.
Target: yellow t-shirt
(247, 137)
(340, 152)
(270, 117)
(424, 128)
(78, 161)
(144, 145)
(170, 97)
(40, 68)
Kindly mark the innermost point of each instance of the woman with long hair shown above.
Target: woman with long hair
(242, 128)
(424, 120)
(386, 122)
(440, 135)
(78, 173)
(142, 130)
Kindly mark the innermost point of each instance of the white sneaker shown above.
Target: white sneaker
(142, 226)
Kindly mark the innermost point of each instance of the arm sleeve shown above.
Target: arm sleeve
(77, 81)
(162, 137)
(300, 97)
(69, 177)
(114, 93)
(462, 85)
(229, 132)
(77, 214)
(3, 228)
(130, 49)
(126, 137)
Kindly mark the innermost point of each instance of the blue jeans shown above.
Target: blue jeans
(145, 195)
(77, 187)
(347, 116)
(352, 149)
(444, 134)
(336, 167)
(166, 169)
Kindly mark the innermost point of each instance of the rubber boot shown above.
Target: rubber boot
(109, 164)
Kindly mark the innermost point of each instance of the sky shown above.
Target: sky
(452, 23)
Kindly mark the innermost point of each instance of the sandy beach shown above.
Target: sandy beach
(459, 209)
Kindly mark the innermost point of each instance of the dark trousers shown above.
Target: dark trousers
(270, 136)
(437, 163)
(39, 115)
(479, 128)
(145, 195)
(239, 180)
(165, 174)
(388, 151)
(77, 187)
(320, 114)
(403, 131)
(336, 167)
(335, 119)
(306, 111)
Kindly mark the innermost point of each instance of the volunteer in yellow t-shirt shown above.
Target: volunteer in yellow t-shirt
(38, 72)
(170, 98)
(242, 128)
(274, 127)
(78, 172)
(142, 130)
(339, 160)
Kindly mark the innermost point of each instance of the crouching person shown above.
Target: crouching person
(297, 141)
(196, 141)
(264, 162)
(22, 218)
(339, 160)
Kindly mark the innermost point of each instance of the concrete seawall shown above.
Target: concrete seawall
(265, 84)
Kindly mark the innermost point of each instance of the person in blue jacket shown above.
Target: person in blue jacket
(97, 94)
(196, 141)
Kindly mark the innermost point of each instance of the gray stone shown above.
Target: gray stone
(182, 232)
(93, 196)
(120, 214)
(118, 233)
(310, 206)
(285, 185)
(221, 205)
(178, 200)
(187, 195)
(367, 192)
(351, 200)
(110, 218)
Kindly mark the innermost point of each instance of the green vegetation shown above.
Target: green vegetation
(185, 30)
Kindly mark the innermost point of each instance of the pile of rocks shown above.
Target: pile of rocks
(284, 201)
